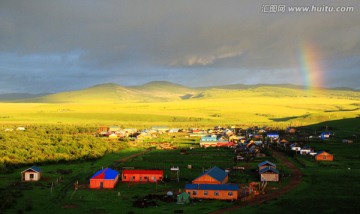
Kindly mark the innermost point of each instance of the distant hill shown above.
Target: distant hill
(19, 96)
(162, 91)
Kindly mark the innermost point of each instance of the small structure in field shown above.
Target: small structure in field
(31, 174)
(269, 174)
(324, 156)
(142, 175)
(104, 179)
(183, 198)
(213, 191)
(214, 175)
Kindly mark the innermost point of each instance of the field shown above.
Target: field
(62, 197)
(263, 106)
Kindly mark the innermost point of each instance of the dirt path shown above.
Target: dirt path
(296, 177)
(134, 155)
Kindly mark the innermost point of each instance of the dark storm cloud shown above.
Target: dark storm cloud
(73, 44)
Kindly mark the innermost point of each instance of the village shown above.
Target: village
(245, 167)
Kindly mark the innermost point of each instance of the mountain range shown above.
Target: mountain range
(160, 91)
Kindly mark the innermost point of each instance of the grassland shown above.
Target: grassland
(111, 105)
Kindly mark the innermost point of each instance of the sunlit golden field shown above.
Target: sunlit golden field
(270, 106)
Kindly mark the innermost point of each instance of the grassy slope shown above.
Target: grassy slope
(162, 103)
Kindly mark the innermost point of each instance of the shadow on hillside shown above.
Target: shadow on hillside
(284, 119)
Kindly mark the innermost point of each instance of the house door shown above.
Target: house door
(101, 185)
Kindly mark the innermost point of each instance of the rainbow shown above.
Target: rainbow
(311, 68)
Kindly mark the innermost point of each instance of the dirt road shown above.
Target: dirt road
(296, 177)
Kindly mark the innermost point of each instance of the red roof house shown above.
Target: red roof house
(142, 175)
(324, 156)
(104, 179)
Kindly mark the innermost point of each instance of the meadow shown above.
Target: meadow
(262, 106)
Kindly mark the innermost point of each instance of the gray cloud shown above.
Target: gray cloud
(74, 44)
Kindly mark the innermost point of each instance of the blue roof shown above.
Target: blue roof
(36, 168)
(212, 186)
(269, 168)
(33, 168)
(266, 162)
(106, 173)
(216, 173)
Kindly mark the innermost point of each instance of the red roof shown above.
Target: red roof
(142, 171)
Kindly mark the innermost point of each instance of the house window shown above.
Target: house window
(206, 193)
(194, 192)
(153, 178)
(324, 157)
(140, 179)
(31, 176)
(146, 178)
(216, 193)
(230, 193)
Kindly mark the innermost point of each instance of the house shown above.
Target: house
(183, 198)
(20, 128)
(142, 175)
(31, 174)
(102, 129)
(305, 151)
(324, 156)
(265, 164)
(325, 135)
(213, 141)
(269, 174)
(214, 175)
(104, 179)
(213, 191)
(273, 135)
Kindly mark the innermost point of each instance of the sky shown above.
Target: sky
(64, 45)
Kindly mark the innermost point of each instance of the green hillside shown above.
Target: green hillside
(171, 104)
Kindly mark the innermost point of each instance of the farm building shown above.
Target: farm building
(266, 164)
(139, 175)
(273, 135)
(269, 174)
(325, 135)
(31, 174)
(104, 179)
(324, 156)
(213, 191)
(214, 175)
(213, 141)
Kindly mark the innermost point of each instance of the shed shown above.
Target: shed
(183, 198)
(214, 175)
(142, 175)
(269, 174)
(324, 156)
(31, 174)
(213, 191)
(265, 164)
(104, 179)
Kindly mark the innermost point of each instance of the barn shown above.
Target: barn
(142, 175)
(324, 156)
(104, 179)
(31, 174)
(213, 191)
(269, 174)
(214, 175)
(265, 164)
